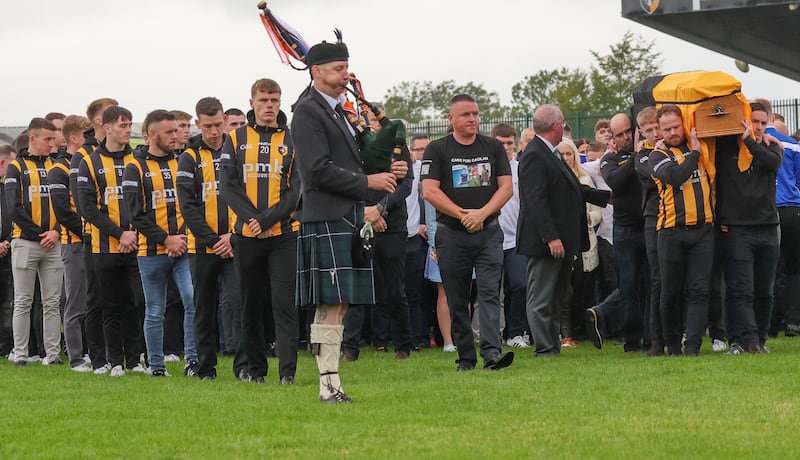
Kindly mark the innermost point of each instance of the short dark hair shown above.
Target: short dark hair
(55, 116)
(667, 109)
(156, 116)
(5, 150)
(40, 123)
(22, 141)
(208, 106)
(602, 123)
(461, 98)
(596, 147)
(503, 130)
(757, 106)
(97, 105)
(419, 136)
(233, 111)
(114, 113)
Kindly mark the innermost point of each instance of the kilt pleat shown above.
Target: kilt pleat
(325, 272)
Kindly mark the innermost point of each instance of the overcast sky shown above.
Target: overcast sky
(59, 55)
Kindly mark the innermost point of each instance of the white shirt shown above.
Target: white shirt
(412, 202)
(509, 213)
(606, 228)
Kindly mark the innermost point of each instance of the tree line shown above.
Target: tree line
(606, 86)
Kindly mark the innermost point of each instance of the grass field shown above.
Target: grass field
(584, 404)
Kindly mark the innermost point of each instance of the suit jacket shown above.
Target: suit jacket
(328, 160)
(552, 204)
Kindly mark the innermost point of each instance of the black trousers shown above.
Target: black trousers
(685, 256)
(207, 270)
(390, 316)
(93, 321)
(790, 250)
(120, 297)
(416, 252)
(6, 305)
(267, 270)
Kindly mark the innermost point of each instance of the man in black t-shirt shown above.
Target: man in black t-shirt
(467, 178)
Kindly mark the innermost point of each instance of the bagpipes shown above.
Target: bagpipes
(378, 148)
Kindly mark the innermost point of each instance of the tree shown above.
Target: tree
(409, 100)
(617, 73)
(569, 88)
(417, 100)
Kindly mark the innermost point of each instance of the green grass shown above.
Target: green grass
(583, 404)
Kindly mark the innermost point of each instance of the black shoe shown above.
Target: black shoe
(159, 373)
(191, 368)
(593, 328)
(464, 367)
(338, 397)
(21, 363)
(256, 379)
(244, 376)
(499, 362)
(792, 330)
(401, 354)
(349, 356)
(287, 380)
(210, 376)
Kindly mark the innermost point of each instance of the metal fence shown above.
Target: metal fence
(581, 123)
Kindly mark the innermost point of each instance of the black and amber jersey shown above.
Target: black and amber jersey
(206, 214)
(100, 198)
(258, 179)
(74, 166)
(28, 196)
(63, 200)
(684, 188)
(152, 200)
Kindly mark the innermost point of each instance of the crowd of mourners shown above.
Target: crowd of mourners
(116, 258)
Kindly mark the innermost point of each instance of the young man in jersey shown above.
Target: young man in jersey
(114, 245)
(148, 185)
(93, 321)
(7, 155)
(209, 222)
(685, 233)
(35, 249)
(72, 251)
(258, 181)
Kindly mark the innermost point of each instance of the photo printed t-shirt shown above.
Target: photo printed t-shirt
(467, 174)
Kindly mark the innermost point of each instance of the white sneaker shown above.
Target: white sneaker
(51, 361)
(518, 342)
(138, 368)
(172, 358)
(102, 369)
(82, 368)
(117, 371)
(34, 359)
(718, 346)
(87, 359)
(11, 356)
(449, 348)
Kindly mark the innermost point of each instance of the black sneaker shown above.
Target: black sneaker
(499, 361)
(287, 380)
(338, 397)
(191, 368)
(464, 367)
(20, 363)
(593, 328)
(160, 373)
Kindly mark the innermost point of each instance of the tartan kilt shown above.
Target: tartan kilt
(325, 272)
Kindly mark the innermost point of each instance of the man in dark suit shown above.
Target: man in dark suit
(552, 229)
(334, 188)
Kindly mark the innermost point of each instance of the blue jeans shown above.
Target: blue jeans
(630, 256)
(155, 272)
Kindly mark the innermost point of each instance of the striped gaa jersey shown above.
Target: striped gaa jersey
(259, 179)
(64, 201)
(28, 196)
(684, 188)
(206, 214)
(152, 199)
(100, 198)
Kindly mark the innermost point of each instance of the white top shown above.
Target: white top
(606, 228)
(509, 213)
(412, 202)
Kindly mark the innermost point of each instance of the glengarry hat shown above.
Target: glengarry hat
(325, 52)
